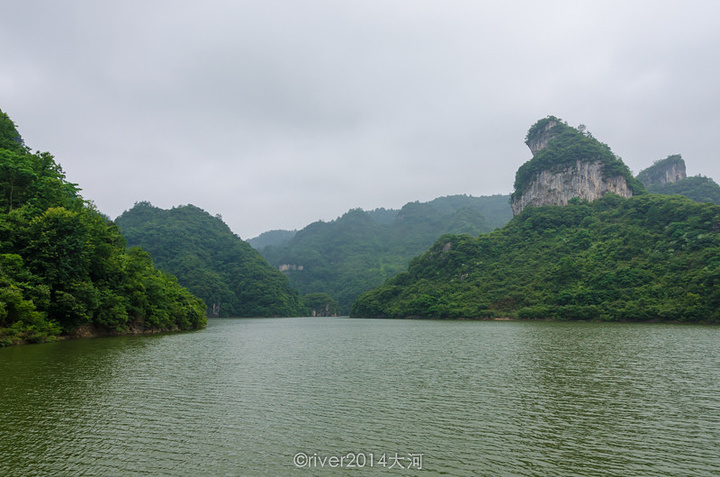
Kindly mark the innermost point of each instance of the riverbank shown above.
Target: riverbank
(13, 337)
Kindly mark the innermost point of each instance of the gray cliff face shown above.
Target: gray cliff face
(567, 163)
(667, 171)
(540, 141)
(675, 173)
(584, 180)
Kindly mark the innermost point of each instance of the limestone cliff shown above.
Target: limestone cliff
(544, 131)
(583, 179)
(567, 164)
(666, 171)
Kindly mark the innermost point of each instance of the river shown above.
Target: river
(320, 396)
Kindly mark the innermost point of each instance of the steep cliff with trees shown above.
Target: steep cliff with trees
(568, 163)
(649, 257)
(666, 171)
(668, 176)
(637, 258)
(64, 267)
(211, 261)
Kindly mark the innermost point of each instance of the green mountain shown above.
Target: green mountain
(358, 251)
(65, 268)
(568, 163)
(667, 176)
(602, 256)
(211, 261)
(697, 188)
(649, 257)
(670, 169)
(272, 238)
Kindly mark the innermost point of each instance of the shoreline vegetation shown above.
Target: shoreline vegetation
(547, 320)
(213, 263)
(66, 267)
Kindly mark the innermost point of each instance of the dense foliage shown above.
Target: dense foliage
(63, 265)
(650, 257)
(698, 188)
(359, 250)
(565, 146)
(10, 138)
(321, 304)
(272, 238)
(211, 261)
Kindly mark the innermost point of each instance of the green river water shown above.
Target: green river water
(328, 396)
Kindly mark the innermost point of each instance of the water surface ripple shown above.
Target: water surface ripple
(244, 396)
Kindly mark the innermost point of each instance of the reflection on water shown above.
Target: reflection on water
(244, 396)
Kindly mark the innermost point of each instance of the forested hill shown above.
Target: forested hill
(697, 188)
(64, 267)
(359, 250)
(206, 257)
(668, 176)
(650, 257)
(271, 238)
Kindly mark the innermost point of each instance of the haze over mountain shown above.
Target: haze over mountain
(277, 114)
(359, 250)
(600, 257)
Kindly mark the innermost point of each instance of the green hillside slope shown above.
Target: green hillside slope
(359, 250)
(649, 257)
(211, 261)
(697, 188)
(64, 267)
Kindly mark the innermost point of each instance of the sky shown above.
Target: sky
(276, 114)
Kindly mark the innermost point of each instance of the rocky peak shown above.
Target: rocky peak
(568, 163)
(665, 171)
(540, 134)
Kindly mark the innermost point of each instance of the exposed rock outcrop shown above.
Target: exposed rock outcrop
(286, 267)
(568, 164)
(539, 140)
(583, 179)
(666, 171)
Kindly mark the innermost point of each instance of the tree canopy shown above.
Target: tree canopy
(697, 188)
(649, 257)
(63, 265)
(361, 249)
(211, 261)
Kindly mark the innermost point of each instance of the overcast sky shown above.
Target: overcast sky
(276, 114)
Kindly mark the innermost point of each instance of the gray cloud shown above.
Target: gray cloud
(279, 113)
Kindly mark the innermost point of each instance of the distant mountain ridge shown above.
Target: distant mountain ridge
(360, 249)
(697, 188)
(495, 210)
(272, 238)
